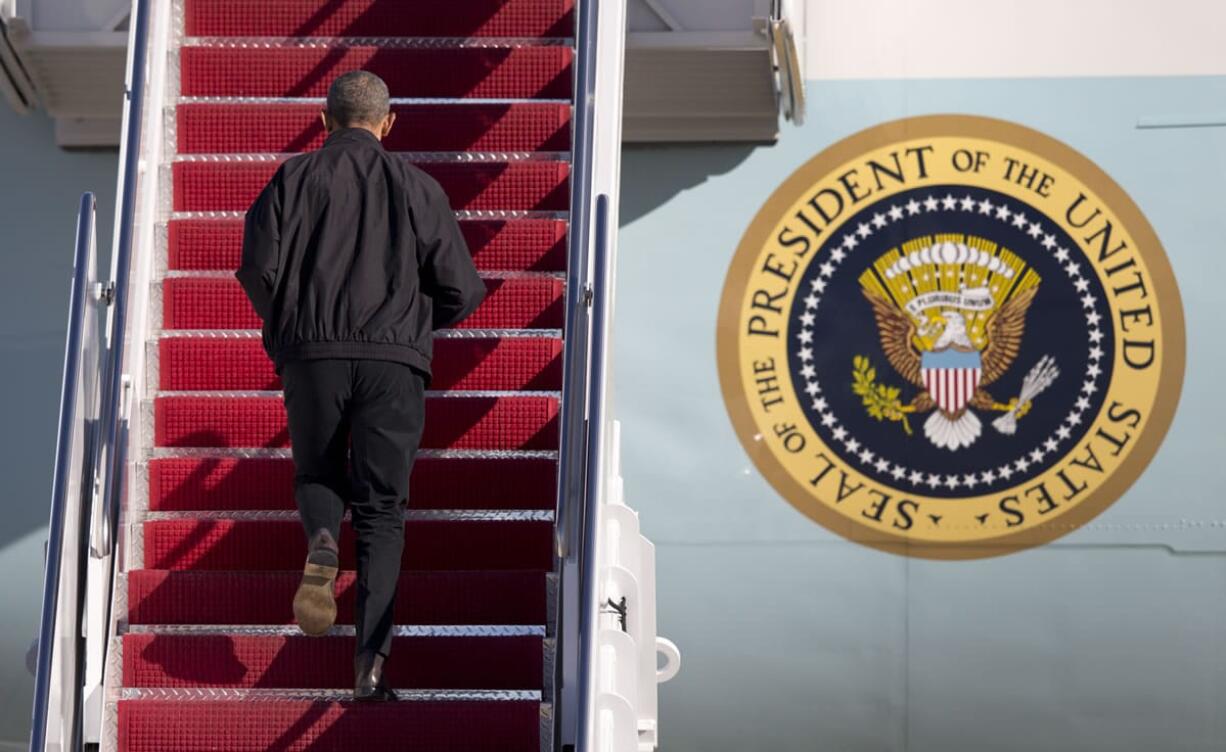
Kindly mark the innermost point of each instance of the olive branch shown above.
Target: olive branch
(881, 401)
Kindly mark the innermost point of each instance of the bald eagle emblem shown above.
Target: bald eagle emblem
(951, 313)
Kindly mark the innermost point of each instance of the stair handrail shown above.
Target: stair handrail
(112, 414)
(72, 484)
(102, 465)
(578, 290)
(594, 483)
(575, 409)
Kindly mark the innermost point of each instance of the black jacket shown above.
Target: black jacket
(351, 252)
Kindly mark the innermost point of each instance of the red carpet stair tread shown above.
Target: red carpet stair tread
(157, 596)
(451, 422)
(378, 18)
(205, 128)
(489, 363)
(260, 544)
(302, 726)
(263, 70)
(186, 484)
(474, 186)
(219, 303)
(502, 245)
(301, 662)
(211, 659)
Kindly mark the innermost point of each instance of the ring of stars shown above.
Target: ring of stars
(901, 473)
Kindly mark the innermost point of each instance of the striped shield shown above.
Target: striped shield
(951, 377)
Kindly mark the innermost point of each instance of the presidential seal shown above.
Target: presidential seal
(950, 337)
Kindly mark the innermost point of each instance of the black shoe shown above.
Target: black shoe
(368, 684)
(314, 602)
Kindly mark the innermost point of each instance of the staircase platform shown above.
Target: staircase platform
(208, 656)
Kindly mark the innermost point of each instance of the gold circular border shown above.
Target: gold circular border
(1170, 378)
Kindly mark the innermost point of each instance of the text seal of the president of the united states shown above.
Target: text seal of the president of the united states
(950, 337)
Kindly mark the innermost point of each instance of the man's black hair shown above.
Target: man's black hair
(358, 98)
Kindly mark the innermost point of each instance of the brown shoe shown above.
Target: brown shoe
(315, 603)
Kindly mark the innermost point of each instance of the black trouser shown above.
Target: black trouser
(376, 407)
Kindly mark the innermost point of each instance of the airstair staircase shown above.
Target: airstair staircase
(516, 582)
